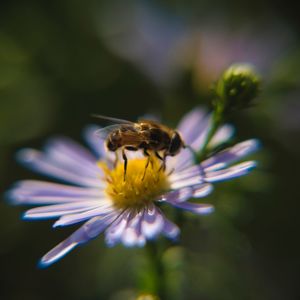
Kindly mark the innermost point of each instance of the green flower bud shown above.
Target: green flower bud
(237, 88)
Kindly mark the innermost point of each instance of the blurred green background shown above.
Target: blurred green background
(60, 61)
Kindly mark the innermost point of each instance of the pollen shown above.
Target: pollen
(140, 187)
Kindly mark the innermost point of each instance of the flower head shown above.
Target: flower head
(137, 191)
(94, 190)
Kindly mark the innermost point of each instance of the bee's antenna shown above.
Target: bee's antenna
(114, 120)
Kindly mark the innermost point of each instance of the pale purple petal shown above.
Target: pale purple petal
(193, 171)
(190, 181)
(70, 219)
(72, 156)
(181, 161)
(169, 229)
(184, 194)
(40, 162)
(152, 222)
(222, 135)
(86, 232)
(194, 128)
(42, 192)
(192, 124)
(229, 173)
(179, 195)
(57, 210)
(197, 208)
(230, 155)
(179, 200)
(114, 232)
(202, 190)
(198, 142)
(132, 234)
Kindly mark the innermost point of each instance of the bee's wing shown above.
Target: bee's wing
(102, 133)
(113, 120)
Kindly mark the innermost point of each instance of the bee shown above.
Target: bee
(146, 135)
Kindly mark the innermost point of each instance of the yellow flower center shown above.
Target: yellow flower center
(140, 187)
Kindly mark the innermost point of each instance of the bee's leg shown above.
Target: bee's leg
(163, 165)
(163, 159)
(125, 162)
(158, 156)
(147, 163)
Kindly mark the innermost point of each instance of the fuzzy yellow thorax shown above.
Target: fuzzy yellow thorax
(135, 191)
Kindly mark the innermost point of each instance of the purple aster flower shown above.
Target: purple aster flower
(94, 191)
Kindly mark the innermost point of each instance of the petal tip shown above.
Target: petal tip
(56, 254)
(26, 155)
(249, 146)
(11, 197)
(42, 265)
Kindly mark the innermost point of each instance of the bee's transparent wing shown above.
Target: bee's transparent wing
(102, 133)
(105, 131)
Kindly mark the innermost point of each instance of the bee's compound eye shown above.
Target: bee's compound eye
(175, 144)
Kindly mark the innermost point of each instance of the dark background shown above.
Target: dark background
(60, 61)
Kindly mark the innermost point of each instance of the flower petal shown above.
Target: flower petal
(181, 161)
(86, 232)
(41, 163)
(230, 155)
(184, 194)
(222, 135)
(81, 216)
(192, 124)
(186, 182)
(132, 233)
(169, 229)
(229, 173)
(114, 232)
(179, 195)
(197, 208)
(193, 171)
(42, 192)
(202, 190)
(57, 210)
(152, 222)
(72, 156)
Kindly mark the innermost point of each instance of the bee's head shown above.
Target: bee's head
(176, 144)
(114, 141)
(111, 146)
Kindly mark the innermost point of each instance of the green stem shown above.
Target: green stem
(216, 121)
(158, 268)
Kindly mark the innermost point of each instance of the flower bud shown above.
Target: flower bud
(237, 88)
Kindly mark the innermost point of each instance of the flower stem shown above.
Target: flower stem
(158, 269)
(216, 122)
